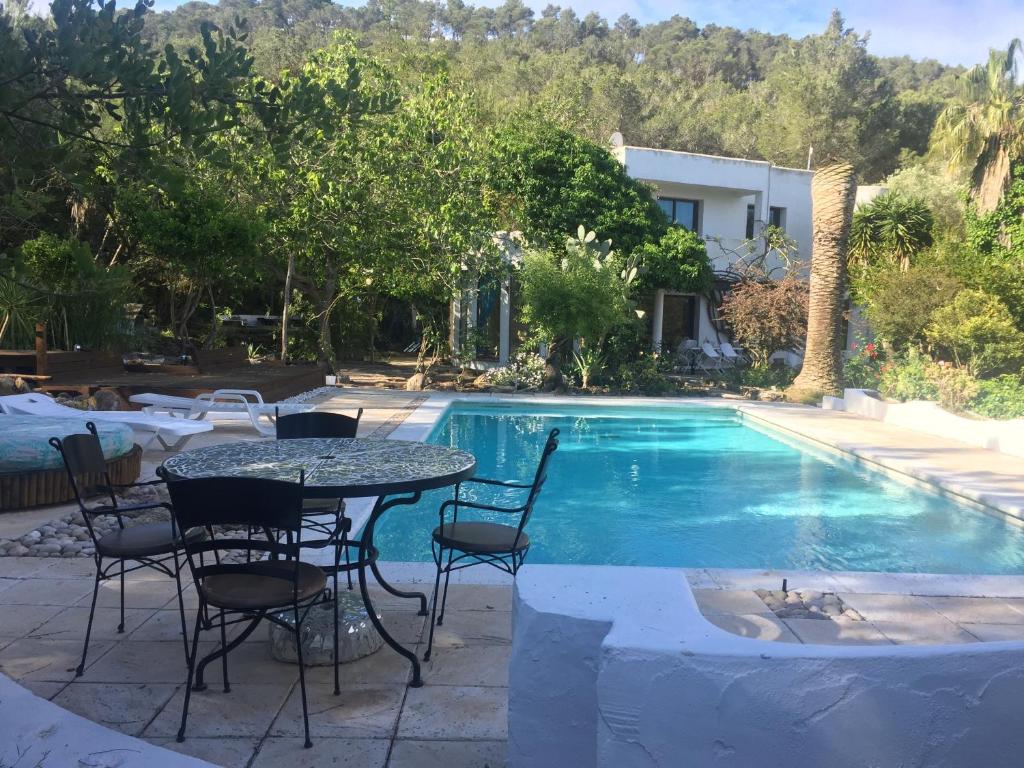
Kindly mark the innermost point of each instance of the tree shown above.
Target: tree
(767, 316)
(891, 228)
(899, 304)
(982, 131)
(832, 196)
(976, 329)
(677, 262)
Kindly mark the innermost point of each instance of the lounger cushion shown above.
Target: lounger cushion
(25, 447)
(148, 539)
(481, 537)
(254, 591)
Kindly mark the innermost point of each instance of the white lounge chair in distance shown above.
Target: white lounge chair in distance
(171, 434)
(731, 355)
(710, 361)
(247, 402)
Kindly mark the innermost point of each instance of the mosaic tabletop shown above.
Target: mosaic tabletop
(334, 467)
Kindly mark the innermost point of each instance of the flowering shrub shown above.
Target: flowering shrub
(863, 369)
(524, 371)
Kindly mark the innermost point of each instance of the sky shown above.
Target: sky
(952, 31)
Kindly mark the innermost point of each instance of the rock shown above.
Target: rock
(8, 386)
(482, 381)
(18, 550)
(416, 382)
(108, 400)
(771, 395)
(47, 530)
(47, 549)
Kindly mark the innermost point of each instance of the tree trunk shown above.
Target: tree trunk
(832, 197)
(286, 306)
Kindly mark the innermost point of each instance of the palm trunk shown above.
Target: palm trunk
(832, 197)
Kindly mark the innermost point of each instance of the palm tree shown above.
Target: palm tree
(890, 228)
(982, 131)
(832, 196)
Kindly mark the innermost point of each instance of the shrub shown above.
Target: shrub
(863, 369)
(768, 377)
(767, 316)
(977, 331)
(524, 371)
(643, 375)
(899, 304)
(677, 262)
(1000, 398)
(907, 378)
(955, 386)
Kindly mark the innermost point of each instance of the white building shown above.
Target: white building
(727, 201)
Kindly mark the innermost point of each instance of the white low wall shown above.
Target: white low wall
(930, 418)
(616, 667)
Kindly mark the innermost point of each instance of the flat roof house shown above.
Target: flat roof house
(728, 202)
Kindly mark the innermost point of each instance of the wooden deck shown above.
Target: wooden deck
(87, 372)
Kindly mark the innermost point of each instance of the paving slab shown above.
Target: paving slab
(730, 601)
(409, 753)
(924, 632)
(472, 628)
(839, 631)
(476, 665)
(70, 623)
(247, 711)
(977, 610)
(452, 712)
(325, 753)
(994, 633)
(227, 752)
(125, 708)
(47, 660)
(755, 626)
(358, 712)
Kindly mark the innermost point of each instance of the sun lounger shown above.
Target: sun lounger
(710, 361)
(246, 402)
(731, 354)
(171, 434)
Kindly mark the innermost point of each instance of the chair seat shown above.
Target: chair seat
(144, 540)
(256, 591)
(481, 537)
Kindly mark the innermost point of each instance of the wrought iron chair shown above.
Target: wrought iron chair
(247, 592)
(147, 545)
(461, 544)
(311, 424)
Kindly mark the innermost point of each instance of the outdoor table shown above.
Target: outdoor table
(343, 468)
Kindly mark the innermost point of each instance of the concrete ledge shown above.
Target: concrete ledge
(928, 417)
(617, 667)
(34, 732)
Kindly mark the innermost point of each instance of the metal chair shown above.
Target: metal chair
(474, 542)
(313, 424)
(148, 545)
(250, 591)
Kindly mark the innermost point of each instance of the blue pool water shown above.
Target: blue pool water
(698, 487)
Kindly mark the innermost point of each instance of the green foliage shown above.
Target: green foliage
(863, 368)
(678, 262)
(899, 304)
(644, 376)
(908, 377)
(977, 331)
(767, 316)
(890, 229)
(1000, 398)
(944, 196)
(581, 295)
(524, 371)
(587, 363)
(548, 181)
(767, 376)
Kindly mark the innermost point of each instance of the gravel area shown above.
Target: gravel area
(807, 604)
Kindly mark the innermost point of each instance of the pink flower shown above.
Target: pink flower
(854, 347)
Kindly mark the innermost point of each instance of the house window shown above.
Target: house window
(683, 212)
(777, 217)
(751, 216)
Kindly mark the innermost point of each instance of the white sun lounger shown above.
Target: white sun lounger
(171, 434)
(246, 402)
(731, 354)
(710, 361)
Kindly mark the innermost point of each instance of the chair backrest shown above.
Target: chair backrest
(317, 424)
(541, 475)
(709, 350)
(727, 349)
(237, 501)
(86, 468)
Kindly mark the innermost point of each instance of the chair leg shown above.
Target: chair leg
(191, 671)
(181, 603)
(337, 562)
(120, 627)
(444, 597)
(433, 608)
(302, 676)
(348, 559)
(224, 658)
(88, 627)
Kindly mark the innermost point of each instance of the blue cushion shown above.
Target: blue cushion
(24, 440)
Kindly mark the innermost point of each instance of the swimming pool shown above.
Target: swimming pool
(698, 486)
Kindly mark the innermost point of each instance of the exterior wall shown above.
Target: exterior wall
(616, 667)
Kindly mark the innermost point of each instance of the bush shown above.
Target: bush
(767, 316)
(863, 369)
(524, 371)
(978, 332)
(907, 378)
(768, 376)
(1000, 398)
(677, 262)
(643, 375)
(955, 386)
(899, 304)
